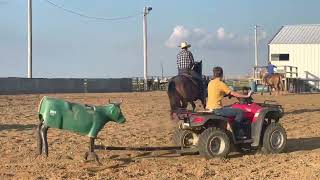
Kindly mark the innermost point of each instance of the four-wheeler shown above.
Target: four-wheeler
(213, 135)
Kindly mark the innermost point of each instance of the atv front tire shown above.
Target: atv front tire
(274, 139)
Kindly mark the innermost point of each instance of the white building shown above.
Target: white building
(299, 46)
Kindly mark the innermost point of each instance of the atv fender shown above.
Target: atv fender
(256, 127)
(206, 119)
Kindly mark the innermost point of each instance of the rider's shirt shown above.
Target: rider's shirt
(185, 59)
(271, 69)
(216, 91)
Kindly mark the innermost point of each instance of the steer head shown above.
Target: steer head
(114, 112)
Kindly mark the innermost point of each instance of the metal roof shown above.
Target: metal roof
(298, 34)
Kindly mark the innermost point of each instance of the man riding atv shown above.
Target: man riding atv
(185, 63)
(217, 89)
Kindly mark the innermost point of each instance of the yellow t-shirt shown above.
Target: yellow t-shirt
(216, 91)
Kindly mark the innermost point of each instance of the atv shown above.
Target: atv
(213, 136)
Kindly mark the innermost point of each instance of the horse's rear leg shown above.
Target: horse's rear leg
(270, 88)
(203, 101)
(193, 105)
(184, 104)
(264, 85)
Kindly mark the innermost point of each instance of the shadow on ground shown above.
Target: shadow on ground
(293, 145)
(301, 111)
(18, 127)
(303, 144)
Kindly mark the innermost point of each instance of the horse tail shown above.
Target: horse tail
(281, 82)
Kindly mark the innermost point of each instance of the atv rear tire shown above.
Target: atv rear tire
(274, 139)
(183, 138)
(214, 142)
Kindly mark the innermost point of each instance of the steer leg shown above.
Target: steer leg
(91, 155)
(39, 138)
(44, 139)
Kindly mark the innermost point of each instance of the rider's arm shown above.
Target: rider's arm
(238, 95)
(228, 91)
(191, 58)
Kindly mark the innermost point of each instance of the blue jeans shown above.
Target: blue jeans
(231, 112)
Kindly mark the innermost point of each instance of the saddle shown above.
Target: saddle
(190, 77)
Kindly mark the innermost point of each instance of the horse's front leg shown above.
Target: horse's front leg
(91, 155)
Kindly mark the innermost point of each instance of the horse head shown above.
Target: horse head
(197, 67)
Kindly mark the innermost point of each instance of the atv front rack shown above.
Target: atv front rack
(272, 104)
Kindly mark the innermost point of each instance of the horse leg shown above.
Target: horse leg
(264, 85)
(193, 105)
(279, 88)
(44, 138)
(270, 88)
(183, 103)
(91, 155)
(39, 139)
(203, 102)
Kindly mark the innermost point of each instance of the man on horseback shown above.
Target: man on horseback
(217, 89)
(185, 63)
(270, 70)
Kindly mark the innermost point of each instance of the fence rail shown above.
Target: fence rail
(63, 85)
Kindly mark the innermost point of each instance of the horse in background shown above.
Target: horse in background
(183, 89)
(272, 81)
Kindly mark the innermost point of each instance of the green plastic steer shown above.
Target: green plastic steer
(81, 119)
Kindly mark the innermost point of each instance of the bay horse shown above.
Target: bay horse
(272, 81)
(183, 89)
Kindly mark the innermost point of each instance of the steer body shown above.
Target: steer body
(81, 119)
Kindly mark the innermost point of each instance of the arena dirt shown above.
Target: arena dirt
(148, 124)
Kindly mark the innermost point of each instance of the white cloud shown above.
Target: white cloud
(201, 38)
(221, 33)
(263, 35)
(179, 34)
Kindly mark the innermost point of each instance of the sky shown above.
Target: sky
(65, 45)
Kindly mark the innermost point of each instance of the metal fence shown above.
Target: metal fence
(63, 85)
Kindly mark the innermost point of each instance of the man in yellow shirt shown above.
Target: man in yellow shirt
(217, 89)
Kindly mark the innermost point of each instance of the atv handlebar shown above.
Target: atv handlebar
(248, 96)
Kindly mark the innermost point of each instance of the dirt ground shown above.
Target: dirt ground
(148, 124)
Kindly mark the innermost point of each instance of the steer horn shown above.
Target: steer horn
(116, 103)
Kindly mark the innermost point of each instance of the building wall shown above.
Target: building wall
(60, 85)
(304, 56)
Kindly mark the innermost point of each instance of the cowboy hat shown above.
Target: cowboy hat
(184, 45)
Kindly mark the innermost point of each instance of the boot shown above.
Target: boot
(238, 131)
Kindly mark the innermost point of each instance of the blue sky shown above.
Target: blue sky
(66, 45)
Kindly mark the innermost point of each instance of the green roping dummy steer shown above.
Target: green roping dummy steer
(81, 119)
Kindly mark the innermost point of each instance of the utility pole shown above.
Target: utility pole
(29, 38)
(256, 44)
(146, 11)
(161, 71)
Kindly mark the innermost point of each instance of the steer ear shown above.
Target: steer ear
(118, 103)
